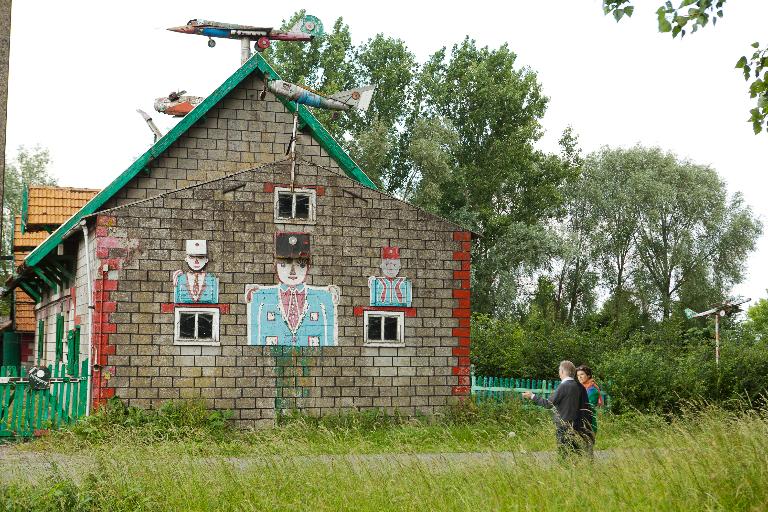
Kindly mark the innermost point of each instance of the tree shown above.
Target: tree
(608, 171)
(497, 184)
(688, 228)
(28, 167)
(695, 14)
(757, 318)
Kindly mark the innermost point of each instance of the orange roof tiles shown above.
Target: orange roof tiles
(54, 205)
(29, 240)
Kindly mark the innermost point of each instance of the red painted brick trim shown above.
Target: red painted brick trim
(270, 187)
(409, 312)
(169, 307)
(462, 312)
(460, 390)
(463, 236)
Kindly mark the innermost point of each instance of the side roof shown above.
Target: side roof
(256, 63)
(51, 206)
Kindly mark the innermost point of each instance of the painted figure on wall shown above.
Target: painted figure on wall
(389, 289)
(292, 312)
(196, 285)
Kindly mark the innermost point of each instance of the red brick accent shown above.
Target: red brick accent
(169, 307)
(409, 312)
(462, 236)
(460, 294)
(460, 390)
(462, 312)
(460, 351)
(460, 331)
(104, 304)
(270, 187)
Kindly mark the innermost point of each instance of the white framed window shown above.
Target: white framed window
(384, 328)
(297, 207)
(196, 326)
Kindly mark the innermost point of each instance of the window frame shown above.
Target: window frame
(312, 195)
(400, 315)
(214, 341)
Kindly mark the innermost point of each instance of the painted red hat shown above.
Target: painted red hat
(390, 253)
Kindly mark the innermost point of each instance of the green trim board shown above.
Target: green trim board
(40, 339)
(257, 62)
(24, 208)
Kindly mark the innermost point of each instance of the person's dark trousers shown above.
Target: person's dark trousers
(570, 442)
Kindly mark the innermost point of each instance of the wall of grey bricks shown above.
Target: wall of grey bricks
(346, 243)
(181, 196)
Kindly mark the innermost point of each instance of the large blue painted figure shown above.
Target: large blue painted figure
(292, 312)
(196, 286)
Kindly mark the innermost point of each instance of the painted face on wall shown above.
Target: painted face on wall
(292, 271)
(390, 267)
(196, 263)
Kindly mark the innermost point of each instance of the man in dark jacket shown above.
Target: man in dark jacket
(572, 413)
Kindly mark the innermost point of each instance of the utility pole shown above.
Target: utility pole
(5, 51)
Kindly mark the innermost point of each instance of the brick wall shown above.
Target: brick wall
(429, 372)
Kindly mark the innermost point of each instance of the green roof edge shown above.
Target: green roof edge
(322, 136)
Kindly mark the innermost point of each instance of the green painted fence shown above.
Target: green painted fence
(25, 412)
(502, 388)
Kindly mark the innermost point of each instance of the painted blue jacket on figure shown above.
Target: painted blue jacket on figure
(205, 292)
(314, 322)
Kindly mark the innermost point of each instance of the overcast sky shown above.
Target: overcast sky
(79, 70)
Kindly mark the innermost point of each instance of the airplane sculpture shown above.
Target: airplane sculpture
(304, 30)
(176, 104)
(359, 98)
(726, 308)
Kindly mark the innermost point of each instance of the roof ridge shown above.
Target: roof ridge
(255, 63)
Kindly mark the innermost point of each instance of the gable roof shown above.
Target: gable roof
(255, 63)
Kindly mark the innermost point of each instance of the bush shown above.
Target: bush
(657, 369)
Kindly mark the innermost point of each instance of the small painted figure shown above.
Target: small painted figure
(196, 286)
(390, 290)
(292, 312)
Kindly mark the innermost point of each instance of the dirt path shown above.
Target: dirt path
(22, 464)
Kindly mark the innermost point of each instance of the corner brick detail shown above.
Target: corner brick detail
(462, 312)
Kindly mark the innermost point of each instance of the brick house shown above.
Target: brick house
(44, 208)
(211, 275)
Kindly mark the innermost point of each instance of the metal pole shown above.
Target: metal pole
(293, 145)
(717, 338)
(245, 50)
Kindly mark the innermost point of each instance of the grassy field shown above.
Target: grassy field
(188, 460)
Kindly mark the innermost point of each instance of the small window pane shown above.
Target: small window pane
(302, 206)
(390, 328)
(204, 326)
(374, 328)
(187, 325)
(285, 205)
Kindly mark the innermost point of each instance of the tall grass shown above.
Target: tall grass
(709, 460)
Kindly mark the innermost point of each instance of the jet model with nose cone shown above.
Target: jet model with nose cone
(304, 30)
(358, 99)
(177, 104)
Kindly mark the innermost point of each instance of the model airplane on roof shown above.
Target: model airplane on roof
(359, 98)
(176, 104)
(304, 30)
(726, 308)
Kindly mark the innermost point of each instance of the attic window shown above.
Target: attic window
(296, 207)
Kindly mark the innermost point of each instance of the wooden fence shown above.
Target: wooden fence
(26, 411)
(501, 388)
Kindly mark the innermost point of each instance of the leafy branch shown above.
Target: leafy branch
(691, 15)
